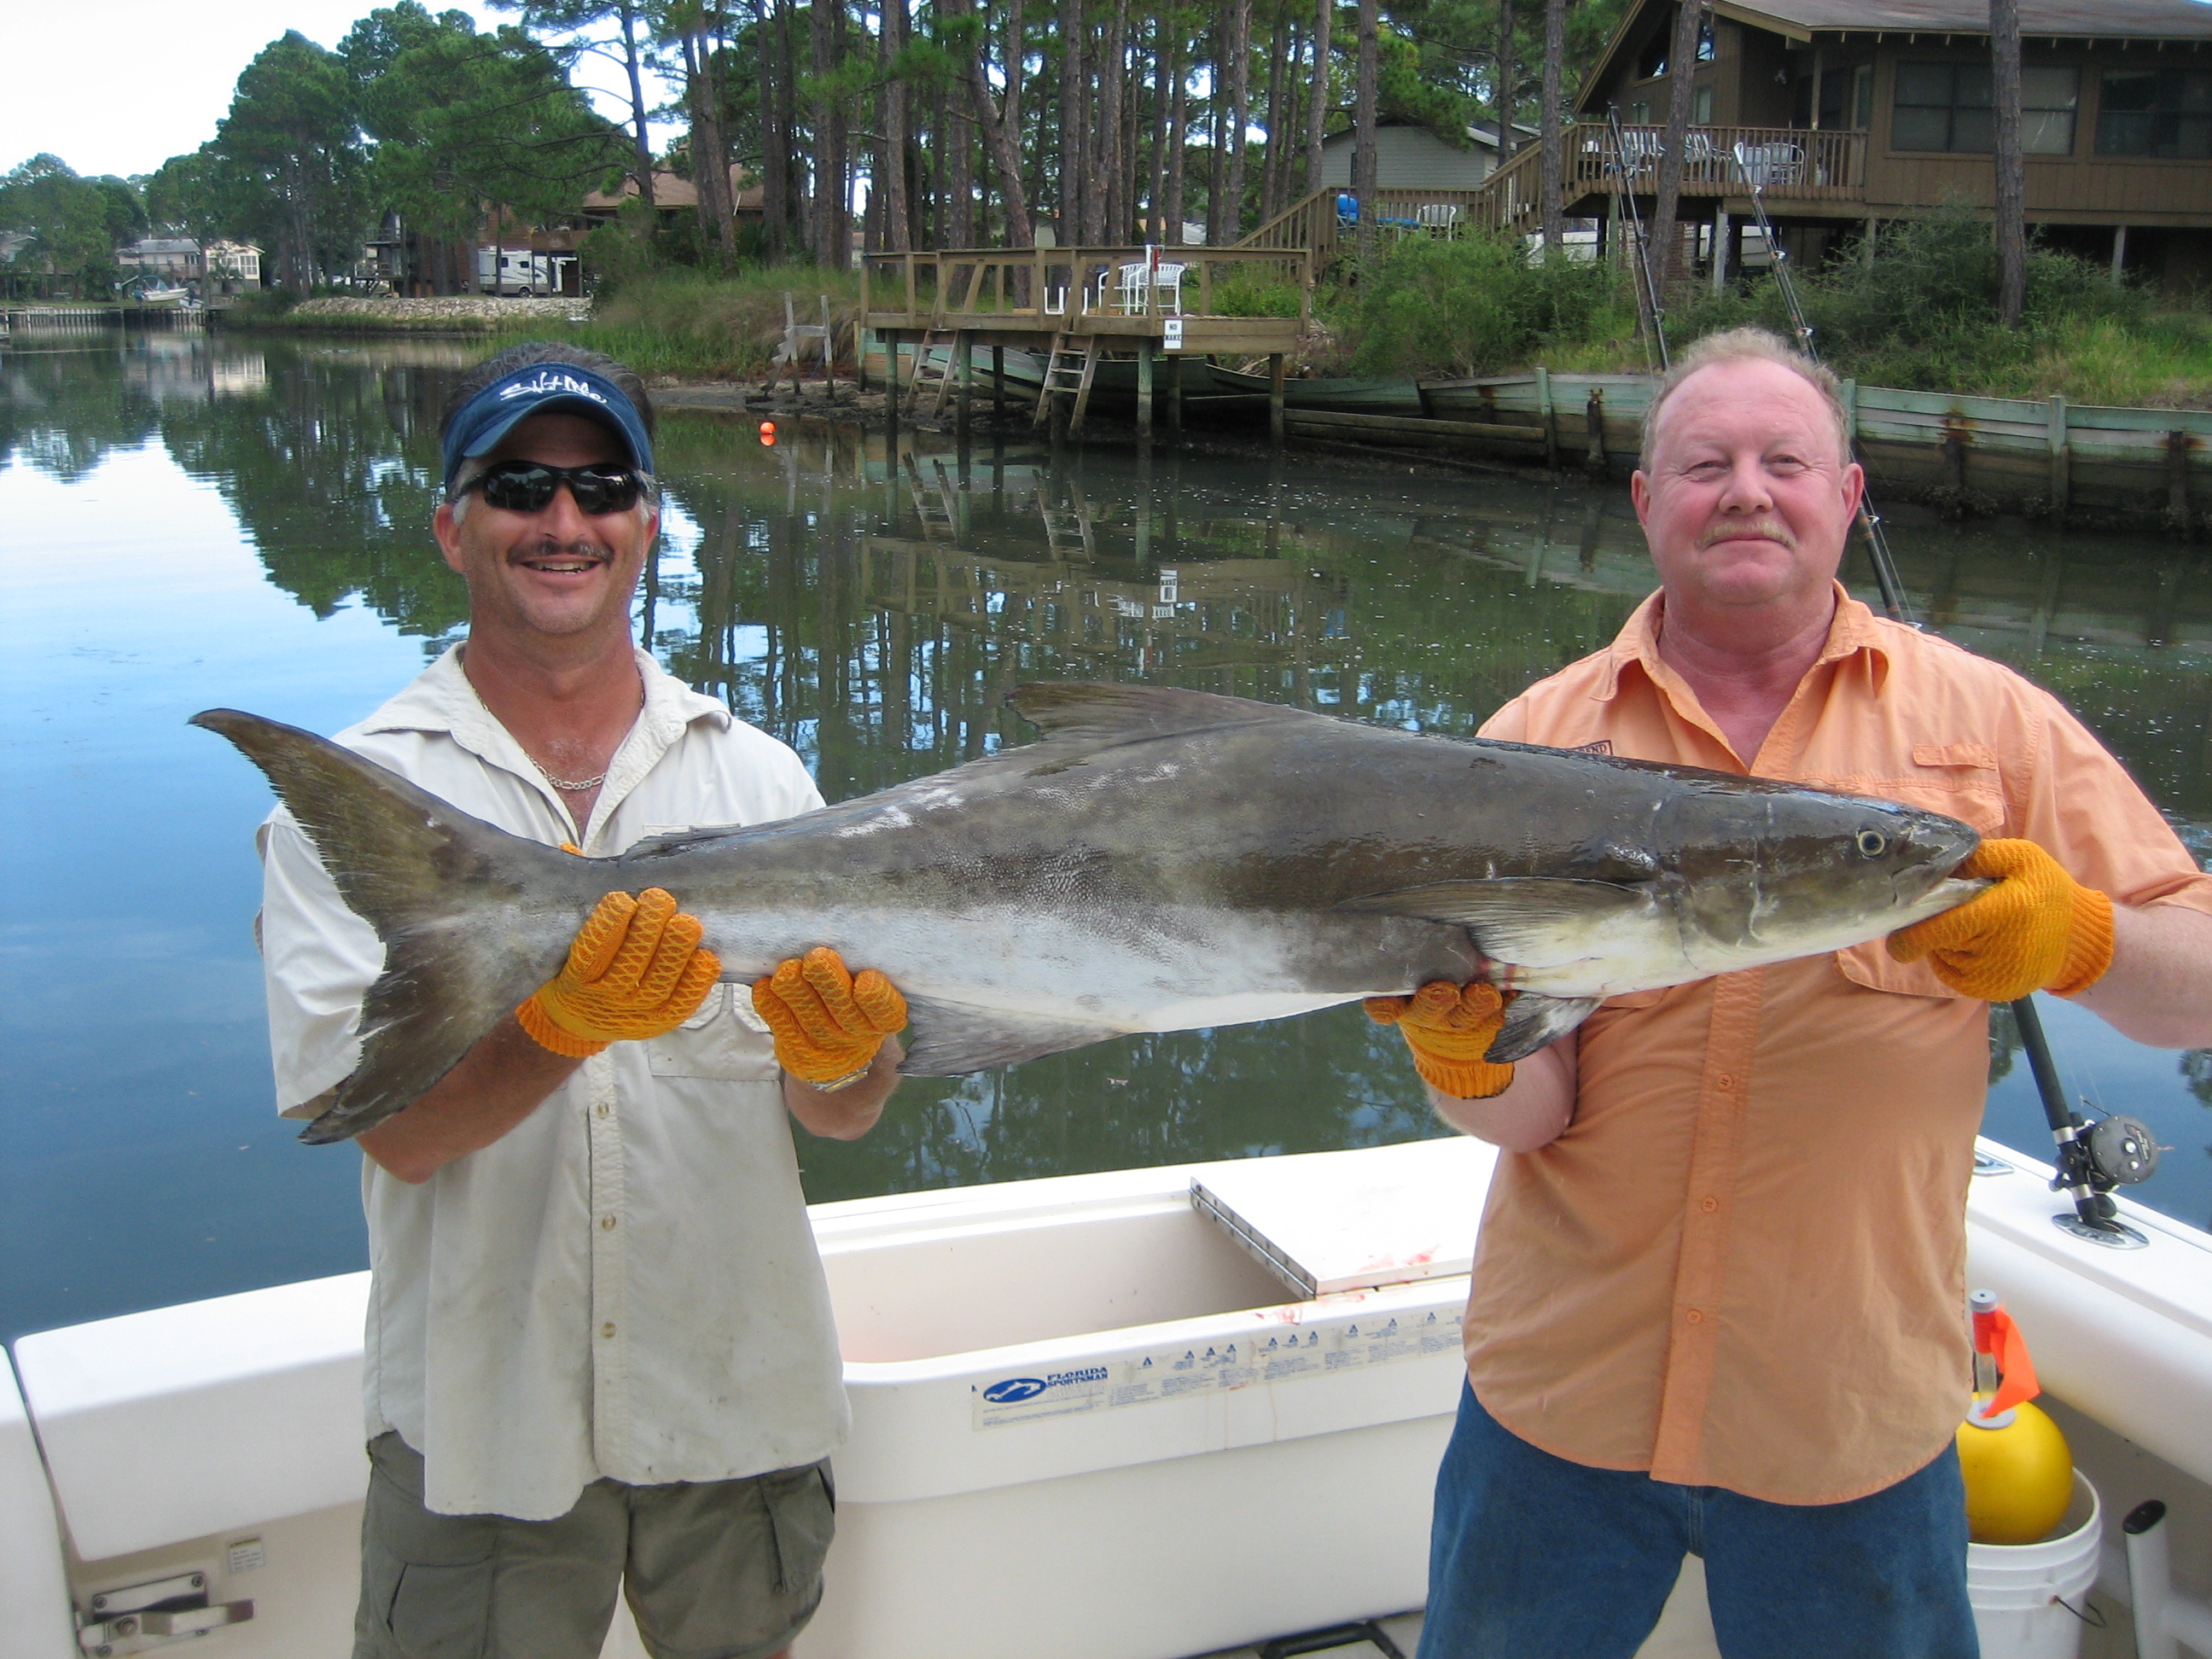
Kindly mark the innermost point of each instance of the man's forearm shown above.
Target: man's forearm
(2159, 987)
(497, 1084)
(848, 1113)
(1534, 1109)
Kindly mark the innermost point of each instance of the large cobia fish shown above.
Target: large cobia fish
(1163, 860)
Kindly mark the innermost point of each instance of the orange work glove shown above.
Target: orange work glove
(634, 971)
(1449, 1028)
(828, 1022)
(2037, 929)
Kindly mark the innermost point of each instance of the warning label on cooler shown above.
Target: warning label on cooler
(1275, 1356)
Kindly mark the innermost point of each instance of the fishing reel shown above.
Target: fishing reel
(2094, 1157)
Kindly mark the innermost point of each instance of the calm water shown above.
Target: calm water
(189, 523)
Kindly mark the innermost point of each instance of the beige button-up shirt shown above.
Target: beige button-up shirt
(1743, 1263)
(625, 1284)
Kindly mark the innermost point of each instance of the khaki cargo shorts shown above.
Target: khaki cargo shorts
(713, 1570)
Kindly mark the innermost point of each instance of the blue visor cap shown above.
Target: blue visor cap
(544, 389)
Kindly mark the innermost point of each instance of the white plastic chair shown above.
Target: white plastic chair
(1768, 165)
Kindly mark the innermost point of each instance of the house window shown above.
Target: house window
(1653, 63)
(1947, 106)
(2164, 111)
(1701, 106)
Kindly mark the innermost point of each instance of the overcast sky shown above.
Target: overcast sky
(120, 86)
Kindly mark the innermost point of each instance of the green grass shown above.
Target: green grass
(689, 325)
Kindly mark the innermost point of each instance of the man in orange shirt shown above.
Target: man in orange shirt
(1718, 1301)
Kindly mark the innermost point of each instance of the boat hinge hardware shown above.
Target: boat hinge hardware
(136, 1618)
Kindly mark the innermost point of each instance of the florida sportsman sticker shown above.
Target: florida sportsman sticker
(1282, 1354)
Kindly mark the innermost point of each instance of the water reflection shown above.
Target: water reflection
(874, 608)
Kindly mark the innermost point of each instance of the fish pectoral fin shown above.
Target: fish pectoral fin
(1533, 1019)
(947, 1039)
(1533, 921)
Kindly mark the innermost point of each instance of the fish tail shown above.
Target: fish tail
(445, 892)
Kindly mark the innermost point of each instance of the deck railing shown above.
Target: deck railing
(938, 289)
(1786, 163)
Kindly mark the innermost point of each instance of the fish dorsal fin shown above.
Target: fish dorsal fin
(1107, 714)
(1533, 921)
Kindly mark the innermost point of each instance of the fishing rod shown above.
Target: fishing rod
(2093, 1157)
(1647, 286)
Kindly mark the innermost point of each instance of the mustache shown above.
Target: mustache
(1748, 529)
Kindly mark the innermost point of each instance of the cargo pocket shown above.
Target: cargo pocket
(802, 1517)
(727, 1040)
(426, 1578)
(441, 1612)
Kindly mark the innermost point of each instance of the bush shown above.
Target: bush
(1469, 305)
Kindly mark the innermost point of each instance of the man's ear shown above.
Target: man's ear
(1639, 492)
(446, 528)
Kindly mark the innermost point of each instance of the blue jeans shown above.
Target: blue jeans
(1532, 1556)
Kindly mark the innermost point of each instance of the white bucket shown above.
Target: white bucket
(2015, 1588)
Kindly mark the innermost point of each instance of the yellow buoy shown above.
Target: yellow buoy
(2019, 1474)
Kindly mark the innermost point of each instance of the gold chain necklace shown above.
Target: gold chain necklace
(579, 785)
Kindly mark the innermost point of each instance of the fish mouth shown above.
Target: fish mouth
(1946, 893)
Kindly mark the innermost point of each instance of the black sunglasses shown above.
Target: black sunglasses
(528, 486)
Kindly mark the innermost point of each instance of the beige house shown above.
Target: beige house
(1409, 156)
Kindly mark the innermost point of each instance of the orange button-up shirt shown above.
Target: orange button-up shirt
(1743, 1263)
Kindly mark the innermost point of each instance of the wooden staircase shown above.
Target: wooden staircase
(1069, 368)
(933, 381)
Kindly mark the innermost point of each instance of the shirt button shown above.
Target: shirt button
(1708, 1204)
(608, 1329)
(1693, 1317)
(601, 1108)
(607, 1222)
(1727, 1081)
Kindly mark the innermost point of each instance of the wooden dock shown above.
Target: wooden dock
(1077, 308)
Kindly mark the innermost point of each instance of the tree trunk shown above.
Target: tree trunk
(1681, 75)
(1178, 141)
(1074, 141)
(633, 62)
(890, 150)
(1317, 92)
(999, 142)
(2012, 168)
(1239, 114)
(1362, 123)
(1553, 162)
(1277, 154)
(1509, 82)
(1113, 196)
(710, 151)
(1151, 121)
(822, 194)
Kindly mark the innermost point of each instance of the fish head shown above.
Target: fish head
(1770, 872)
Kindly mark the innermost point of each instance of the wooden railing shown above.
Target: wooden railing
(1786, 163)
(938, 289)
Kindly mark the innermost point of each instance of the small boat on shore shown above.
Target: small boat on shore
(1134, 1415)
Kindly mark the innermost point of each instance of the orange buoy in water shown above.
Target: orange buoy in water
(2018, 1470)
(768, 433)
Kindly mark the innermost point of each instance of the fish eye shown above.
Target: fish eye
(1871, 843)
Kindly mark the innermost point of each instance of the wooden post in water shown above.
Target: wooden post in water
(1594, 420)
(1145, 393)
(891, 399)
(1551, 418)
(998, 372)
(1174, 397)
(1275, 398)
(2061, 462)
(2178, 519)
(964, 348)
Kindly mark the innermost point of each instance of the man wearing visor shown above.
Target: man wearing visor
(600, 1354)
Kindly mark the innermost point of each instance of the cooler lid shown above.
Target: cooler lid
(1343, 1221)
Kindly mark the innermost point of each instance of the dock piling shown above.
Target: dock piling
(2062, 460)
(2178, 518)
(1275, 398)
(1144, 393)
(1175, 398)
(1594, 423)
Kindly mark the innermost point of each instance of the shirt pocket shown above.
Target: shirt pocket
(1961, 781)
(727, 1040)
